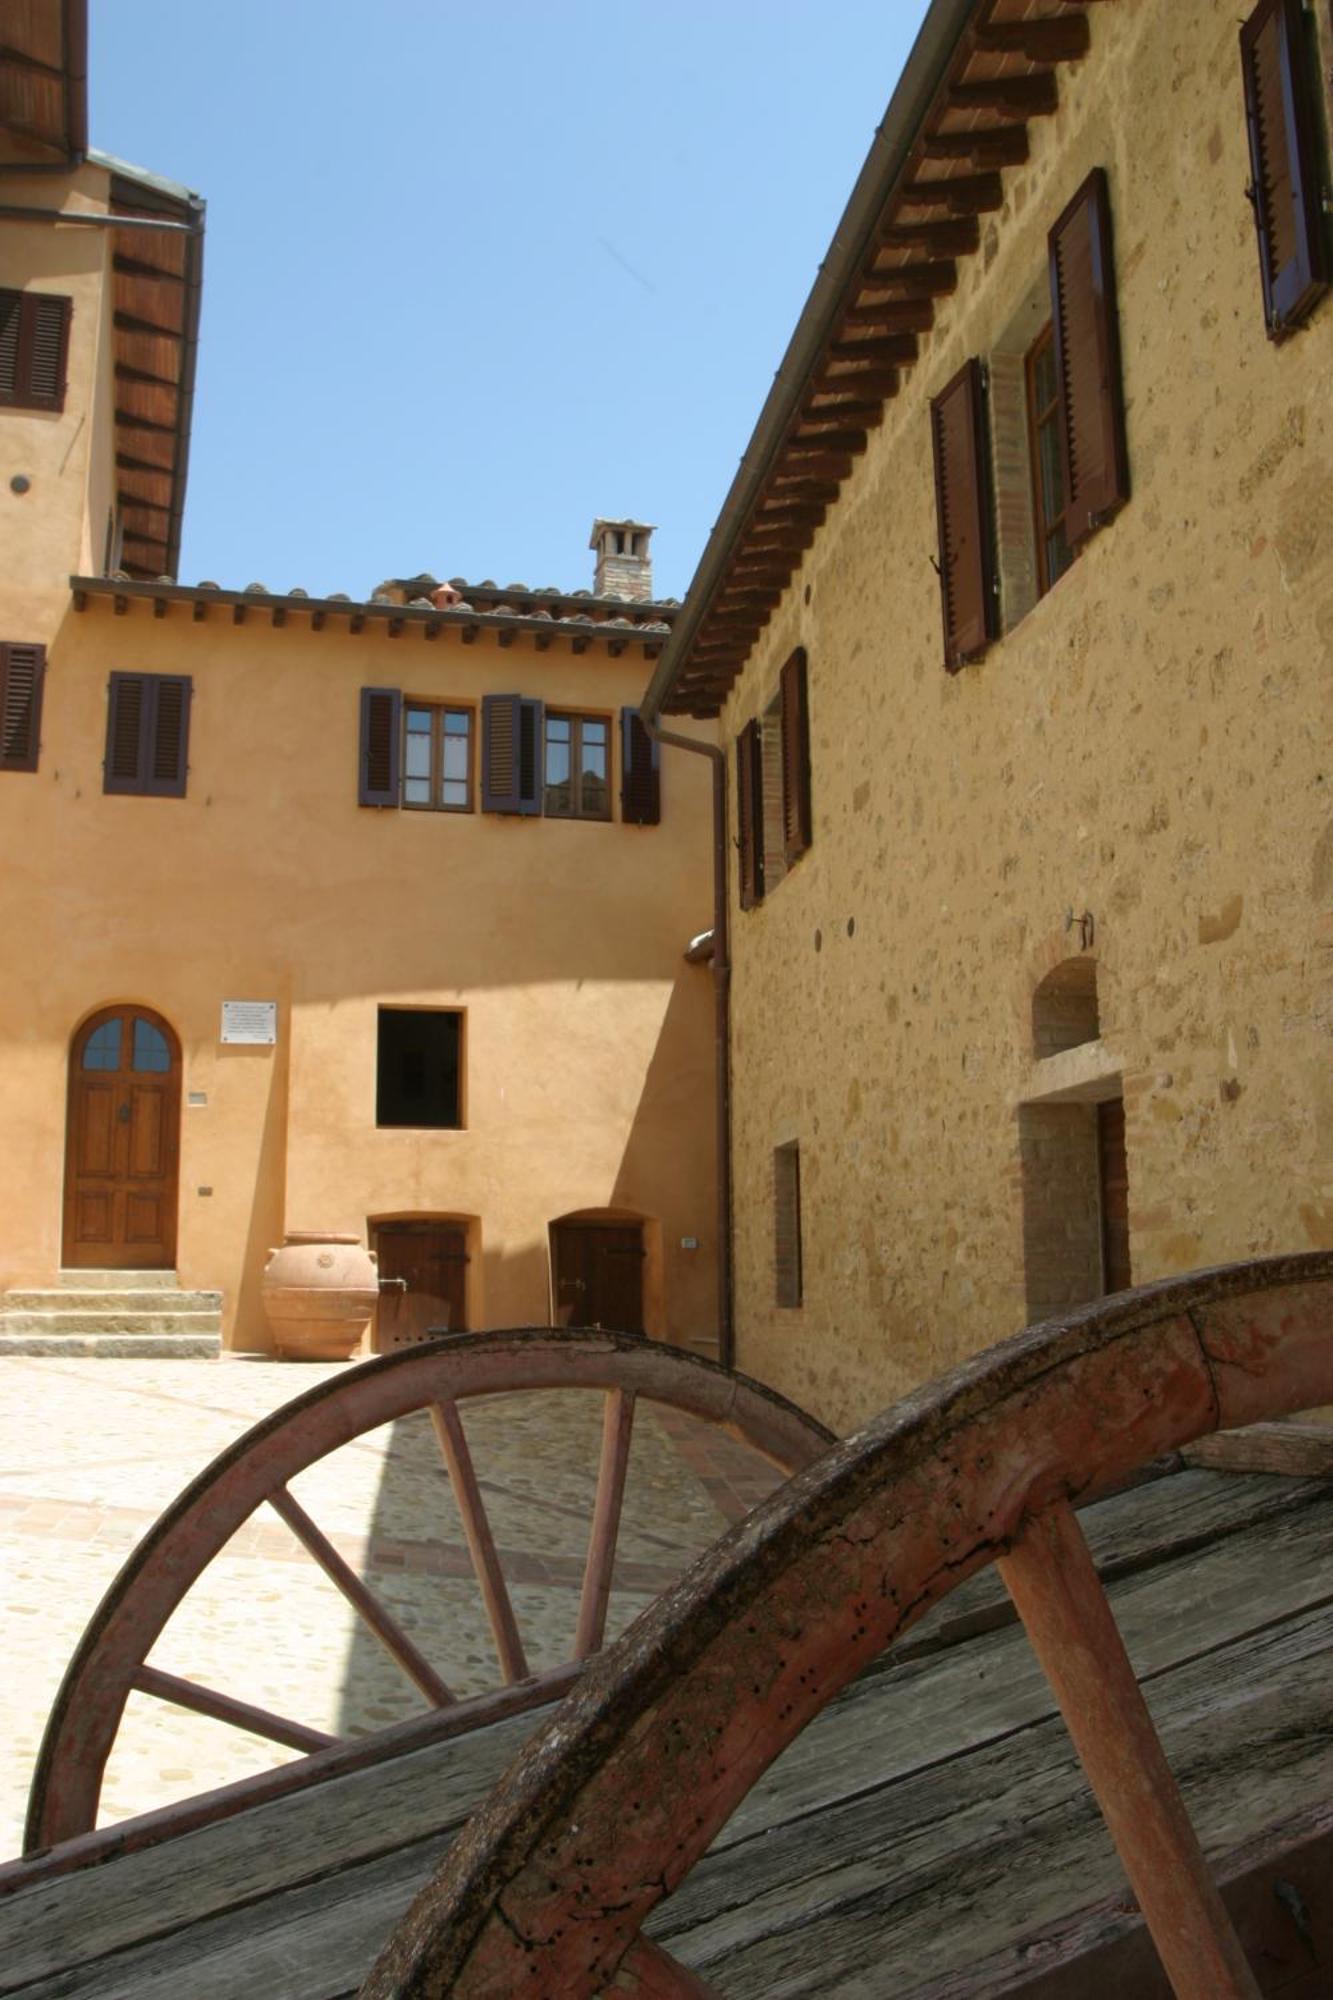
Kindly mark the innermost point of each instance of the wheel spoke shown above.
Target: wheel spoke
(646, 1972)
(617, 1426)
(225, 1708)
(385, 1627)
(1050, 1575)
(481, 1542)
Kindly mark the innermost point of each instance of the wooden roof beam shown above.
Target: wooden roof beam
(131, 422)
(882, 382)
(934, 280)
(851, 442)
(808, 471)
(124, 373)
(965, 194)
(987, 146)
(1032, 96)
(131, 323)
(1057, 38)
(893, 316)
(135, 267)
(947, 236)
(896, 348)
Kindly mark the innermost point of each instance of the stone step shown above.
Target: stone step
(119, 1281)
(115, 1346)
(170, 1320)
(108, 1299)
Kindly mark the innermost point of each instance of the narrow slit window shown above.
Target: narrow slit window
(787, 1225)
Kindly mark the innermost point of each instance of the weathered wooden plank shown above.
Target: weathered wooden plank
(1298, 1451)
(962, 1858)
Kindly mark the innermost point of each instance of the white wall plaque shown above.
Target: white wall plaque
(250, 1021)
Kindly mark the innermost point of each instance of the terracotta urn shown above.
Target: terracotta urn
(319, 1293)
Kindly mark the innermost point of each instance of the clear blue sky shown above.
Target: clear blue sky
(476, 274)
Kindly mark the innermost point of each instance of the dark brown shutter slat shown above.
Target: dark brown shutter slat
(125, 714)
(640, 776)
(22, 674)
(750, 815)
(379, 763)
(1087, 360)
(511, 754)
(167, 735)
(962, 506)
(795, 702)
(1276, 69)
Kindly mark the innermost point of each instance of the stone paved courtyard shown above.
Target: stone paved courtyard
(91, 1451)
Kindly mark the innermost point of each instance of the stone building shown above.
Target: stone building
(1019, 622)
(353, 915)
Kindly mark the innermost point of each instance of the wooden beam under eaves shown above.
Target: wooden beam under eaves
(899, 349)
(356, 624)
(130, 323)
(581, 642)
(964, 194)
(804, 471)
(278, 616)
(1056, 38)
(947, 236)
(135, 267)
(933, 280)
(892, 315)
(504, 637)
(881, 382)
(1032, 96)
(984, 146)
(199, 611)
(159, 607)
(238, 612)
(853, 443)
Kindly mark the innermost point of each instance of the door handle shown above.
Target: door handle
(399, 1283)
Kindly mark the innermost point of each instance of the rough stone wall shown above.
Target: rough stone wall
(1150, 743)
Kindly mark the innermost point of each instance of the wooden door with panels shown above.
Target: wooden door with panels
(598, 1270)
(122, 1145)
(423, 1281)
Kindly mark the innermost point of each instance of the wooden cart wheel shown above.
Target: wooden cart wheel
(611, 1805)
(112, 1658)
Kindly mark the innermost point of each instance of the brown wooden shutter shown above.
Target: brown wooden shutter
(1277, 65)
(750, 814)
(126, 712)
(962, 506)
(1087, 360)
(511, 754)
(34, 349)
(379, 763)
(167, 735)
(22, 674)
(640, 775)
(796, 823)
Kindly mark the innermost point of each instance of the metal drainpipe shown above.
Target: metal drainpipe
(726, 1337)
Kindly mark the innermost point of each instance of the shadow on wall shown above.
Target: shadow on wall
(264, 1233)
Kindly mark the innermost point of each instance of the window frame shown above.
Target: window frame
(437, 711)
(143, 783)
(1039, 420)
(577, 717)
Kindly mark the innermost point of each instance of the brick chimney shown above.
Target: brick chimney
(624, 566)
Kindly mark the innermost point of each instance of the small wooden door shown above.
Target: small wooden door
(123, 1143)
(1113, 1169)
(423, 1281)
(599, 1275)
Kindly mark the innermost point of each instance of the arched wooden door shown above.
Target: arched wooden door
(123, 1143)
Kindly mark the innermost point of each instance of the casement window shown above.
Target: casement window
(1278, 66)
(577, 766)
(640, 774)
(437, 757)
(773, 818)
(22, 674)
(34, 349)
(419, 1068)
(787, 1225)
(147, 734)
(1073, 430)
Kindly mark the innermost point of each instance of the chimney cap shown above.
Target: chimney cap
(619, 521)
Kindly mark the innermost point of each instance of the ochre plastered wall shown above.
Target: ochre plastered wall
(1150, 744)
(58, 525)
(589, 1040)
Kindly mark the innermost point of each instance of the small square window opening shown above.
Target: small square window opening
(419, 1069)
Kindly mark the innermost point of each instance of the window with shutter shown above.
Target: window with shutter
(378, 765)
(34, 348)
(962, 504)
(1277, 67)
(640, 775)
(796, 822)
(148, 734)
(511, 744)
(750, 814)
(1087, 361)
(22, 673)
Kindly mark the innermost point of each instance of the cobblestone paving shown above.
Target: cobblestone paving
(92, 1450)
